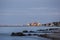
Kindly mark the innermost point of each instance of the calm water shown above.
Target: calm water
(6, 31)
(5, 37)
(8, 37)
(19, 29)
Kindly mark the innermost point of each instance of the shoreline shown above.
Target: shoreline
(54, 36)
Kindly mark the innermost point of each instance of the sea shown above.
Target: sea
(5, 33)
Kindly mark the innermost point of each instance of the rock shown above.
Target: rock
(35, 34)
(43, 35)
(18, 34)
(25, 31)
(29, 34)
(31, 31)
(12, 34)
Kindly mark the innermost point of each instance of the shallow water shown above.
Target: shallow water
(8, 37)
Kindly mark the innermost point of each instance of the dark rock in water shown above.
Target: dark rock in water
(31, 31)
(25, 31)
(18, 34)
(35, 34)
(12, 34)
(29, 34)
(43, 35)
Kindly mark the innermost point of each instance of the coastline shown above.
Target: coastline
(54, 36)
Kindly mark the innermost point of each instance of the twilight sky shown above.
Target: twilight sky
(25, 11)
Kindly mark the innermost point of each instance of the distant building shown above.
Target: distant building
(48, 24)
(34, 24)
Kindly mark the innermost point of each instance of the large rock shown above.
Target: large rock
(18, 34)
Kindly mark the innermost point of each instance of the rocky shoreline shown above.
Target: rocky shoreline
(53, 36)
(55, 33)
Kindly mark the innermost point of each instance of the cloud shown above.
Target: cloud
(43, 8)
(32, 11)
(30, 14)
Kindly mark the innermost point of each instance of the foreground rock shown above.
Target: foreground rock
(18, 34)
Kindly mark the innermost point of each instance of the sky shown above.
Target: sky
(26, 11)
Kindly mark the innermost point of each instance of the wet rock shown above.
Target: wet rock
(25, 31)
(29, 34)
(43, 35)
(35, 34)
(31, 31)
(18, 34)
